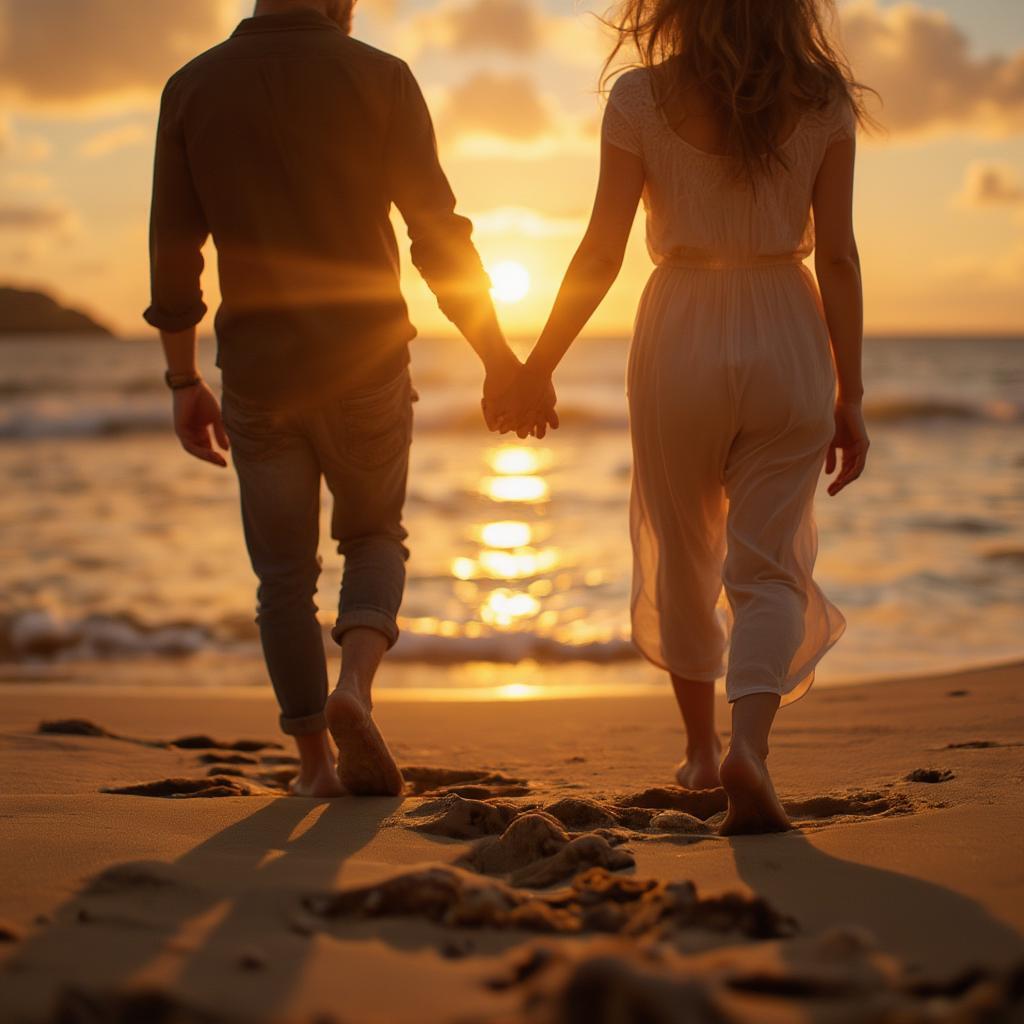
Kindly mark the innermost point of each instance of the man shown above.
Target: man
(288, 143)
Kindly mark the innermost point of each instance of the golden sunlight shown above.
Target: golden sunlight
(527, 489)
(510, 281)
(507, 533)
(515, 460)
(505, 607)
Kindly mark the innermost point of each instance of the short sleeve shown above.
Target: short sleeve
(842, 122)
(621, 124)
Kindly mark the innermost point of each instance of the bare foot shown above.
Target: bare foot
(365, 765)
(323, 784)
(699, 773)
(754, 806)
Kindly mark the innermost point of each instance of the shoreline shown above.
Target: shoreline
(542, 689)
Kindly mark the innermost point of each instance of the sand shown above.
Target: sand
(541, 867)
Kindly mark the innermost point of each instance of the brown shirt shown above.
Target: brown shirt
(289, 142)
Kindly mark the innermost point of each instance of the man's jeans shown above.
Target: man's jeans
(360, 445)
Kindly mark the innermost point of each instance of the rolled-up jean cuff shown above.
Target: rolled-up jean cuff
(368, 618)
(304, 725)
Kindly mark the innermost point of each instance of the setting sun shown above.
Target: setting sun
(510, 281)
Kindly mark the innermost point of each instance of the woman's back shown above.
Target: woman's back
(699, 207)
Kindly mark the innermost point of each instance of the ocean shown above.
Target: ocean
(116, 549)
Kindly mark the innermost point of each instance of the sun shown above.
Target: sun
(510, 281)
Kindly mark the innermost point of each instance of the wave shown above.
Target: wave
(61, 417)
(40, 634)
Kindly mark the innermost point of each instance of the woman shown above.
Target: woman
(738, 131)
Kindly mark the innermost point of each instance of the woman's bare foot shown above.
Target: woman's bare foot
(700, 771)
(317, 776)
(754, 806)
(365, 765)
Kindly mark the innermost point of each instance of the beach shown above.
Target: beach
(537, 869)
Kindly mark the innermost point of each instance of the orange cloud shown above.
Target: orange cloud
(504, 105)
(991, 184)
(32, 218)
(923, 67)
(62, 52)
(513, 26)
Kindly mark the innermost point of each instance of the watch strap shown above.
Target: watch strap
(178, 381)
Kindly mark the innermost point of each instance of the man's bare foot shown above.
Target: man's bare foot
(317, 777)
(323, 784)
(699, 772)
(365, 765)
(754, 806)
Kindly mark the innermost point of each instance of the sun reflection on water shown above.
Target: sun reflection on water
(506, 534)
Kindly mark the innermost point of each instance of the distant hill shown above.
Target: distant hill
(28, 312)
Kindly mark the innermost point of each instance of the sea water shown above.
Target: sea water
(116, 546)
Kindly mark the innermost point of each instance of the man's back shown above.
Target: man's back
(289, 142)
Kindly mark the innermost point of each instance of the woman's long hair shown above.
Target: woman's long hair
(753, 59)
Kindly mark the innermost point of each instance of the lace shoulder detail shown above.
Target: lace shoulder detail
(836, 121)
(629, 105)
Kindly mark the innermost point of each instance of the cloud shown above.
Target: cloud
(113, 139)
(69, 52)
(32, 218)
(991, 184)
(923, 67)
(510, 26)
(503, 105)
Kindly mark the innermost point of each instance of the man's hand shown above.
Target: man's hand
(196, 414)
(501, 375)
(529, 406)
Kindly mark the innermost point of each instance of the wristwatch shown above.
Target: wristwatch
(177, 381)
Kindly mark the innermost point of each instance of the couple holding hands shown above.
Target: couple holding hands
(289, 144)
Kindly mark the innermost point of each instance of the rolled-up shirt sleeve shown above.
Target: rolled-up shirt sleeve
(177, 230)
(441, 245)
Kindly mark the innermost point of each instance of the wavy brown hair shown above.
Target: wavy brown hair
(754, 60)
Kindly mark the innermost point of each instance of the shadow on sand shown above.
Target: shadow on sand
(221, 915)
(903, 913)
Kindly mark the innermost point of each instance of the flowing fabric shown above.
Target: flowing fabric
(731, 395)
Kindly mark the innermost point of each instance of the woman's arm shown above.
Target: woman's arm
(598, 259)
(590, 274)
(837, 266)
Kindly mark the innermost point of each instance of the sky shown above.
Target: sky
(513, 87)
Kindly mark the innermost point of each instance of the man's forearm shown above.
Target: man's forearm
(478, 324)
(180, 351)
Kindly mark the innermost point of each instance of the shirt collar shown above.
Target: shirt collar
(301, 18)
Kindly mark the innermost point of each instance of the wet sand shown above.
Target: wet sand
(541, 866)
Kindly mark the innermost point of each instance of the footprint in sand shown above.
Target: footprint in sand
(83, 727)
(930, 775)
(660, 985)
(228, 759)
(536, 851)
(213, 786)
(701, 803)
(852, 805)
(980, 745)
(470, 783)
(455, 817)
(596, 901)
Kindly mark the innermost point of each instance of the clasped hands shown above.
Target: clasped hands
(520, 399)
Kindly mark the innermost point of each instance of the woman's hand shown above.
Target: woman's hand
(850, 438)
(528, 407)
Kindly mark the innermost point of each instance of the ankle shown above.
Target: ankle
(315, 753)
(356, 687)
(743, 747)
(704, 750)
